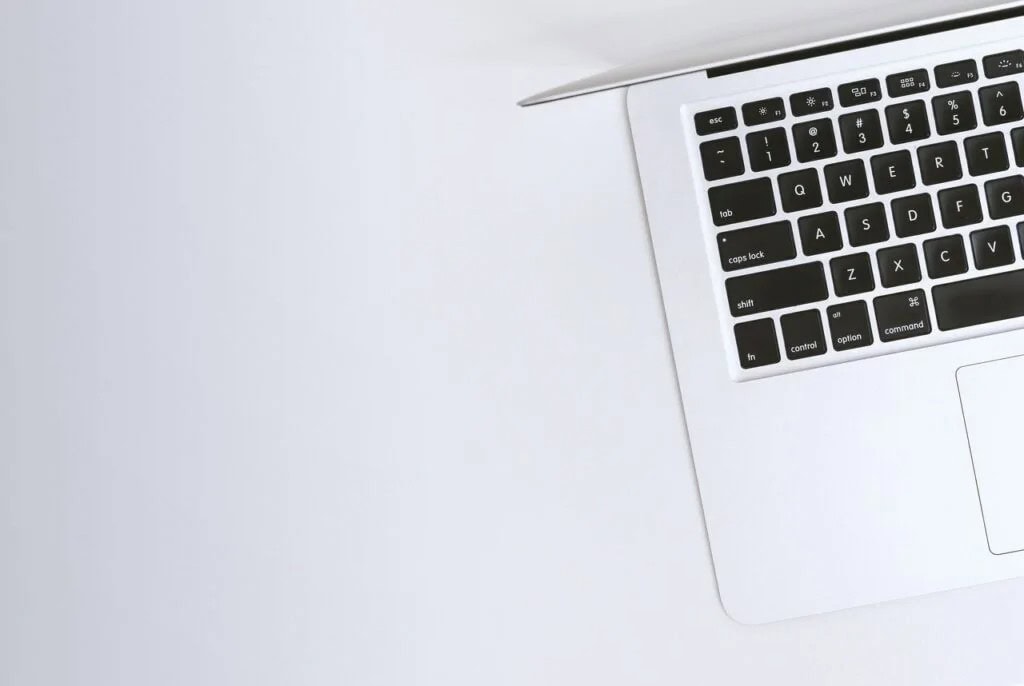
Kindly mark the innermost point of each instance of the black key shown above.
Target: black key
(956, 73)
(954, 113)
(907, 83)
(814, 140)
(903, 315)
(776, 289)
(756, 245)
(1017, 136)
(907, 122)
(800, 190)
(1001, 104)
(992, 247)
(898, 266)
(945, 256)
(743, 201)
(851, 274)
(979, 301)
(819, 233)
(1005, 197)
(811, 102)
(986, 154)
(722, 158)
(763, 111)
(866, 224)
(960, 206)
(859, 92)
(802, 335)
(1004, 64)
(757, 344)
(893, 172)
(913, 215)
(939, 163)
(846, 181)
(715, 121)
(861, 131)
(849, 326)
(768, 149)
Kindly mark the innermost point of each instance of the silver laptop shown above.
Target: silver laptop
(839, 236)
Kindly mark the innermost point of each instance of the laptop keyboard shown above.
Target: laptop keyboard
(855, 215)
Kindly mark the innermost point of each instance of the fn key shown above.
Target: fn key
(757, 343)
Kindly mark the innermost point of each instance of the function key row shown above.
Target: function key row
(858, 93)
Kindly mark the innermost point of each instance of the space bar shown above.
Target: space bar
(979, 301)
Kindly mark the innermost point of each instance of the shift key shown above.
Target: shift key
(741, 202)
(776, 288)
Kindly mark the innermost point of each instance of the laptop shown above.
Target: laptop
(839, 237)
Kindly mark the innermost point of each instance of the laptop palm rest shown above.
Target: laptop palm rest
(992, 398)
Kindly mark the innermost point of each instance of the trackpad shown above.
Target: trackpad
(992, 396)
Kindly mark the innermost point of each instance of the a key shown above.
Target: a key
(850, 326)
(819, 233)
(960, 206)
(907, 83)
(742, 201)
(756, 343)
(846, 181)
(954, 112)
(956, 73)
(722, 158)
(715, 121)
(893, 172)
(986, 154)
(859, 92)
(763, 111)
(851, 274)
(979, 301)
(901, 316)
(1004, 64)
(1005, 197)
(814, 140)
(768, 149)
(861, 131)
(939, 163)
(811, 102)
(776, 289)
(755, 246)
(866, 224)
(1001, 104)
(907, 122)
(913, 215)
(945, 256)
(1017, 136)
(992, 247)
(802, 335)
(898, 266)
(800, 190)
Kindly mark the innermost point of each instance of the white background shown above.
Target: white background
(409, 414)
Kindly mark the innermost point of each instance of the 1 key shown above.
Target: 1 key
(768, 149)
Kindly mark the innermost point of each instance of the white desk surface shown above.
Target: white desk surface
(499, 490)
